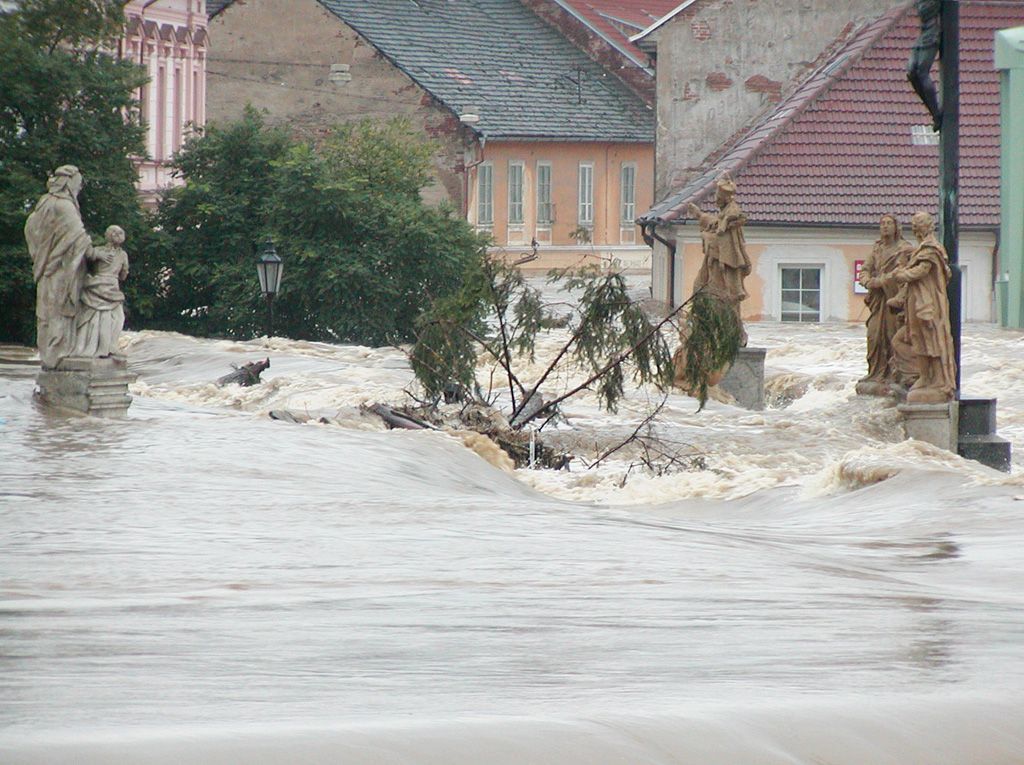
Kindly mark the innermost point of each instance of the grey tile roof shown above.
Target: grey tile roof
(497, 59)
(213, 7)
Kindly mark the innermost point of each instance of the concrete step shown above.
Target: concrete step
(991, 450)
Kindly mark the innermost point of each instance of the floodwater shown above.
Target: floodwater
(200, 583)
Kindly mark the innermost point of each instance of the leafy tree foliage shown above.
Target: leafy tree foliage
(362, 252)
(610, 339)
(64, 99)
(712, 335)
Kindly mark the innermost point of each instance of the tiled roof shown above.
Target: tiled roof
(497, 59)
(213, 7)
(618, 20)
(839, 150)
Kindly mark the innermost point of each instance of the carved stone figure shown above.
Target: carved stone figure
(926, 48)
(100, 317)
(726, 262)
(927, 316)
(889, 253)
(59, 247)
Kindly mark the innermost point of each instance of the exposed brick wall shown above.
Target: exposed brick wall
(286, 70)
(721, 63)
(701, 29)
(761, 84)
(718, 81)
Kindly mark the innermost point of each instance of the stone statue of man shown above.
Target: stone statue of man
(927, 315)
(726, 262)
(889, 253)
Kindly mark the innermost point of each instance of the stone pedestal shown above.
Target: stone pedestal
(978, 439)
(937, 424)
(98, 387)
(745, 379)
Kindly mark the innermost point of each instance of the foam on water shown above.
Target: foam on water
(199, 583)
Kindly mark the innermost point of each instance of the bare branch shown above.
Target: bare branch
(632, 435)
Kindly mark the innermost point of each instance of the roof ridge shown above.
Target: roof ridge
(789, 109)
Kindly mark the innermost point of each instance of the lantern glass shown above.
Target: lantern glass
(269, 269)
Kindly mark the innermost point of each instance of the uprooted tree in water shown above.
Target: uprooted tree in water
(497, 317)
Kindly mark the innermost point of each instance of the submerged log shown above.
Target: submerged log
(245, 375)
(394, 419)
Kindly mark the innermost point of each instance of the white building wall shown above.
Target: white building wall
(834, 251)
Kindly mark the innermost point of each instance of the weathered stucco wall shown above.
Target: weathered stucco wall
(309, 70)
(613, 238)
(720, 63)
(835, 253)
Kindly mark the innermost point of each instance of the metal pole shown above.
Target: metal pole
(270, 314)
(949, 168)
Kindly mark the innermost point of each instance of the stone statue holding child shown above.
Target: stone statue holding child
(79, 303)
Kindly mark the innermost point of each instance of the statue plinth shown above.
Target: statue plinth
(745, 379)
(93, 386)
(938, 424)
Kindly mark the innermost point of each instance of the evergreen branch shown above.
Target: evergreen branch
(618, 359)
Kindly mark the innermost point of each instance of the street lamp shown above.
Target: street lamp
(269, 268)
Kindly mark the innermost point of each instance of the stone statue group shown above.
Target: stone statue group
(79, 303)
(910, 347)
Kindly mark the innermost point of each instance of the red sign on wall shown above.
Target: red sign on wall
(858, 288)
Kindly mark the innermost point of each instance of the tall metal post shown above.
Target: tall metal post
(949, 168)
(1009, 60)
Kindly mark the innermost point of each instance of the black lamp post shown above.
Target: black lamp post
(269, 269)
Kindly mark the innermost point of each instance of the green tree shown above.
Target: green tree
(362, 252)
(200, 264)
(64, 99)
(610, 339)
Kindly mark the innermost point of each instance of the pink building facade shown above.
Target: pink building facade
(169, 38)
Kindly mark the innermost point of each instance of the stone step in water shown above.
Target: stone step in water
(989, 449)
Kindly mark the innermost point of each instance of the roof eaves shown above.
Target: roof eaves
(218, 7)
(767, 128)
(667, 17)
(586, 22)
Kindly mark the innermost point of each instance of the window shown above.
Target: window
(801, 294)
(485, 195)
(515, 193)
(545, 213)
(628, 193)
(585, 214)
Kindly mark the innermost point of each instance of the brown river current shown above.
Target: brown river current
(199, 583)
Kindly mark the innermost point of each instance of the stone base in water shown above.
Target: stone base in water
(745, 379)
(873, 388)
(978, 438)
(937, 424)
(98, 387)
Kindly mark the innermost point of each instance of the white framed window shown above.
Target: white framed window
(627, 192)
(585, 208)
(515, 193)
(801, 293)
(545, 210)
(485, 194)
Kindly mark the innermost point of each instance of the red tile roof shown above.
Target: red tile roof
(618, 20)
(839, 151)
